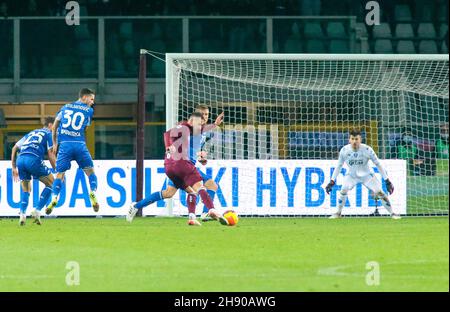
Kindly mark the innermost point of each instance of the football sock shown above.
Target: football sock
(56, 186)
(211, 194)
(386, 203)
(205, 198)
(93, 182)
(154, 197)
(43, 199)
(24, 197)
(341, 202)
(191, 204)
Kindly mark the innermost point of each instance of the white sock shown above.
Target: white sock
(192, 216)
(341, 202)
(386, 203)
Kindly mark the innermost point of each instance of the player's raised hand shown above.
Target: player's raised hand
(389, 186)
(15, 175)
(202, 157)
(219, 119)
(329, 186)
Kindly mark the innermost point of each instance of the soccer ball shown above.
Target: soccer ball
(231, 217)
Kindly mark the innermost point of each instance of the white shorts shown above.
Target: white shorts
(370, 181)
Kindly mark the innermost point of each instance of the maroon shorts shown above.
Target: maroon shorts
(182, 173)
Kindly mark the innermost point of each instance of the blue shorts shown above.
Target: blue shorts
(204, 177)
(69, 151)
(31, 166)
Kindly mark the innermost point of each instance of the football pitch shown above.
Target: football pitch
(259, 254)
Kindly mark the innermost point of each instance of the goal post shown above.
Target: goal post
(287, 116)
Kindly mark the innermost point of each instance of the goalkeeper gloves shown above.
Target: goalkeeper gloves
(329, 186)
(389, 186)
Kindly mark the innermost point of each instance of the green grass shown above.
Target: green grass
(289, 254)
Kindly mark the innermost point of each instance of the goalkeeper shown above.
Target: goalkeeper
(195, 154)
(357, 155)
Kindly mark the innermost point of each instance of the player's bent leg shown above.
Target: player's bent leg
(24, 199)
(211, 189)
(89, 171)
(213, 213)
(169, 192)
(374, 185)
(347, 186)
(56, 189)
(191, 204)
(341, 202)
(43, 198)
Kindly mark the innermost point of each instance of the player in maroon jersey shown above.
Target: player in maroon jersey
(181, 143)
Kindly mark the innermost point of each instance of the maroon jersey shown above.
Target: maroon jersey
(177, 164)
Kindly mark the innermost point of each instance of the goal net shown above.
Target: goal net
(287, 116)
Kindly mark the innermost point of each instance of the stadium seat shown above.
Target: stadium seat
(406, 47)
(336, 30)
(402, 13)
(315, 46)
(426, 30)
(313, 30)
(339, 46)
(428, 47)
(404, 31)
(293, 45)
(383, 46)
(443, 30)
(382, 31)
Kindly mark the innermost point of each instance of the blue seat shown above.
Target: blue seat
(406, 47)
(428, 47)
(404, 31)
(315, 46)
(336, 30)
(426, 31)
(339, 46)
(382, 31)
(383, 46)
(313, 30)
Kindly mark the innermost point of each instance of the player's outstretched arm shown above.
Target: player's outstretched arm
(218, 122)
(15, 149)
(337, 170)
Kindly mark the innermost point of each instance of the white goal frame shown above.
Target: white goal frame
(171, 101)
